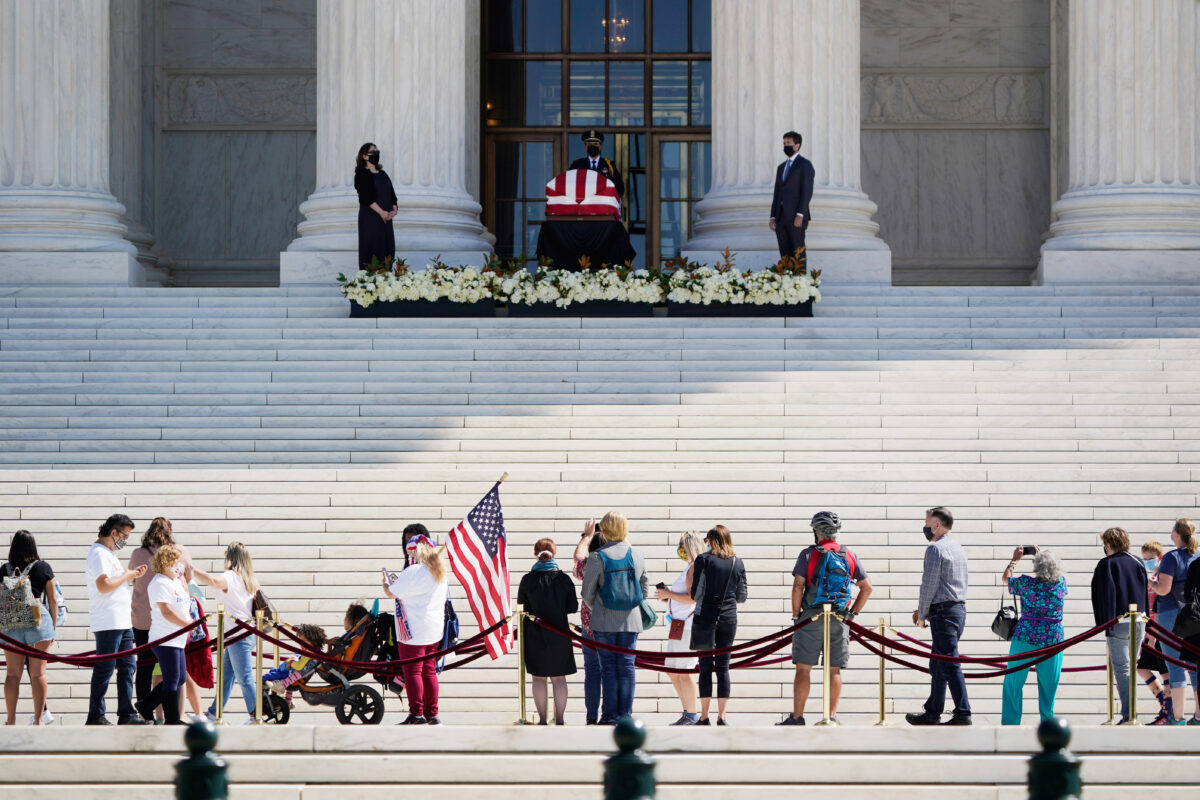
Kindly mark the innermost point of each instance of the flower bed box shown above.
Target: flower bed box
(423, 308)
(740, 310)
(590, 308)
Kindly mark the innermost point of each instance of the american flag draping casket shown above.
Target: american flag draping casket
(582, 192)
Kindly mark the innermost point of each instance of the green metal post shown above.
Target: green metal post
(629, 774)
(201, 776)
(1054, 772)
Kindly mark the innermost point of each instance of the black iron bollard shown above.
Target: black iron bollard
(1054, 772)
(629, 774)
(201, 776)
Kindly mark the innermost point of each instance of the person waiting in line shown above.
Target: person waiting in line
(170, 611)
(824, 573)
(1151, 668)
(1118, 582)
(548, 594)
(24, 562)
(376, 209)
(236, 587)
(591, 541)
(681, 612)
(1191, 598)
(718, 586)
(1169, 584)
(942, 604)
(158, 533)
(420, 592)
(614, 586)
(1041, 598)
(111, 622)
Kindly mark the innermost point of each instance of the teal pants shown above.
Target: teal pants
(1048, 673)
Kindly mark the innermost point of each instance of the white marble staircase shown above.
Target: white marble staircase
(1038, 415)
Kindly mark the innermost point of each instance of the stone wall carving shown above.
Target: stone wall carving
(992, 99)
(243, 101)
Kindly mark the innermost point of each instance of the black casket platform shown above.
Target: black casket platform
(603, 240)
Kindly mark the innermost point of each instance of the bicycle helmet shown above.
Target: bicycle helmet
(826, 520)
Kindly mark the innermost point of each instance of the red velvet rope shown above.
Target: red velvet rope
(11, 645)
(657, 655)
(1172, 638)
(987, 660)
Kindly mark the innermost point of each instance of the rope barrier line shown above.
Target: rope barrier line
(13, 646)
(984, 660)
(1172, 638)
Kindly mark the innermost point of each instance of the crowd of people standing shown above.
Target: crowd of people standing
(156, 598)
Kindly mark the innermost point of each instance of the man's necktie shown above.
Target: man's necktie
(786, 169)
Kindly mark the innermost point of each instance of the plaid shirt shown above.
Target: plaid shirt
(945, 578)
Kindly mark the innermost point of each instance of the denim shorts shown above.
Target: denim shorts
(31, 636)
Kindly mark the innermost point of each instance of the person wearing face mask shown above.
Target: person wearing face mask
(793, 190)
(376, 208)
(1118, 582)
(109, 617)
(942, 605)
(158, 534)
(1151, 667)
(592, 140)
(1169, 583)
(681, 610)
(169, 612)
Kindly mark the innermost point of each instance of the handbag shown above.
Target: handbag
(1187, 623)
(704, 634)
(1006, 619)
(675, 633)
(263, 603)
(649, 615)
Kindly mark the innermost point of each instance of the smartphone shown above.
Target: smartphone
(660, 586)
(386, 576)
(1029, 550)
(596, 528)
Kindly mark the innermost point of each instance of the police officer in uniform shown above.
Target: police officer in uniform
(593, 160)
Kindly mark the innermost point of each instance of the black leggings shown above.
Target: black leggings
(146, 697)
(726, 632)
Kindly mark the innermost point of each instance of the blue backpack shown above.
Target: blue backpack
(621, 590)
(829, 577)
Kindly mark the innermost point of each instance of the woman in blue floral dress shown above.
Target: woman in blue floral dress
(1041, 595)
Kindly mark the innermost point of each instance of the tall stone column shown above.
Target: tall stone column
(59, 223)
(777, 67)
(1131, 212)
(392, 72)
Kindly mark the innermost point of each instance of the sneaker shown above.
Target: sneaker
(134, 720)
(1176, 722)
(1194, 721)
(686, 719)
(704, 721)
(791, 720)
(47, 718)
(100, 721)
(1161, 719)
(923, 718)
(432, 721)
(413, 719)
(250, 721)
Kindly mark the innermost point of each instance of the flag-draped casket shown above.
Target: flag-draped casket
(582, 193)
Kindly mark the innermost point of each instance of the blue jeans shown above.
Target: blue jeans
(591, 683)
(945, 627)
(1179, 676)
(618, 677)
(238, 664)
(1118, 655)
(113, 642)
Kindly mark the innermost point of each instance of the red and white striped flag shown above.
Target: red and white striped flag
(477, 548)
(583, 192)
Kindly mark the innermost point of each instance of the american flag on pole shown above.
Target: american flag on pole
(477, 548)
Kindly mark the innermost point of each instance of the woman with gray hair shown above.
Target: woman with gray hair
(1041, 595)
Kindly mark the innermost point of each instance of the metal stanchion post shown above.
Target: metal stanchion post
(521, 664)
(882, 676)
(258, 670)
(826, 670)
(220, 663)
(1133, 657)
(275, 618)
(1108, 674)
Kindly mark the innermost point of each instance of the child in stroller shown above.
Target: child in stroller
(280, 679)
(368, 637)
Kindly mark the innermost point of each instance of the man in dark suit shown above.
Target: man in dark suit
(793, 191)
(593, 160)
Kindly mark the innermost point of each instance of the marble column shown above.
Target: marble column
(1131, 212)
(393, 72)
(778, 67)
(59, 223)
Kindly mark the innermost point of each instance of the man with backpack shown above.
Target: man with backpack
(824, 573)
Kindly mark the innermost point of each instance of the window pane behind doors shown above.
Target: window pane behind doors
(669, 93)
(587, 93)
(626, 94)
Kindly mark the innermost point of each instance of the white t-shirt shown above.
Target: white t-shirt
(238, 602)
(424, 601)
(107, 612)
(168, 590)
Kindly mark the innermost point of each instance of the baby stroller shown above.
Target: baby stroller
(372, 638)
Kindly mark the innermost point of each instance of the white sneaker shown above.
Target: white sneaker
(249, 721)
(47, 718)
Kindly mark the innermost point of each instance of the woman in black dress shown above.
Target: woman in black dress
(548, 594)
(376, 208)
(718, 585)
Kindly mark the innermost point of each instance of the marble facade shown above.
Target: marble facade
(954, 139)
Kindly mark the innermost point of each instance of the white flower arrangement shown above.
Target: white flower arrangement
(681, 282)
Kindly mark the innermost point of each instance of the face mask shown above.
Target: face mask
(683, 556)
(178, 570)
(1151, 564)
(119, 543)
(373, 158)
(928, 531)
(789, 150)
(708, 549)
(593, 150)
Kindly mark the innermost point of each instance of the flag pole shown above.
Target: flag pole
(503, 478)
(523, 720)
